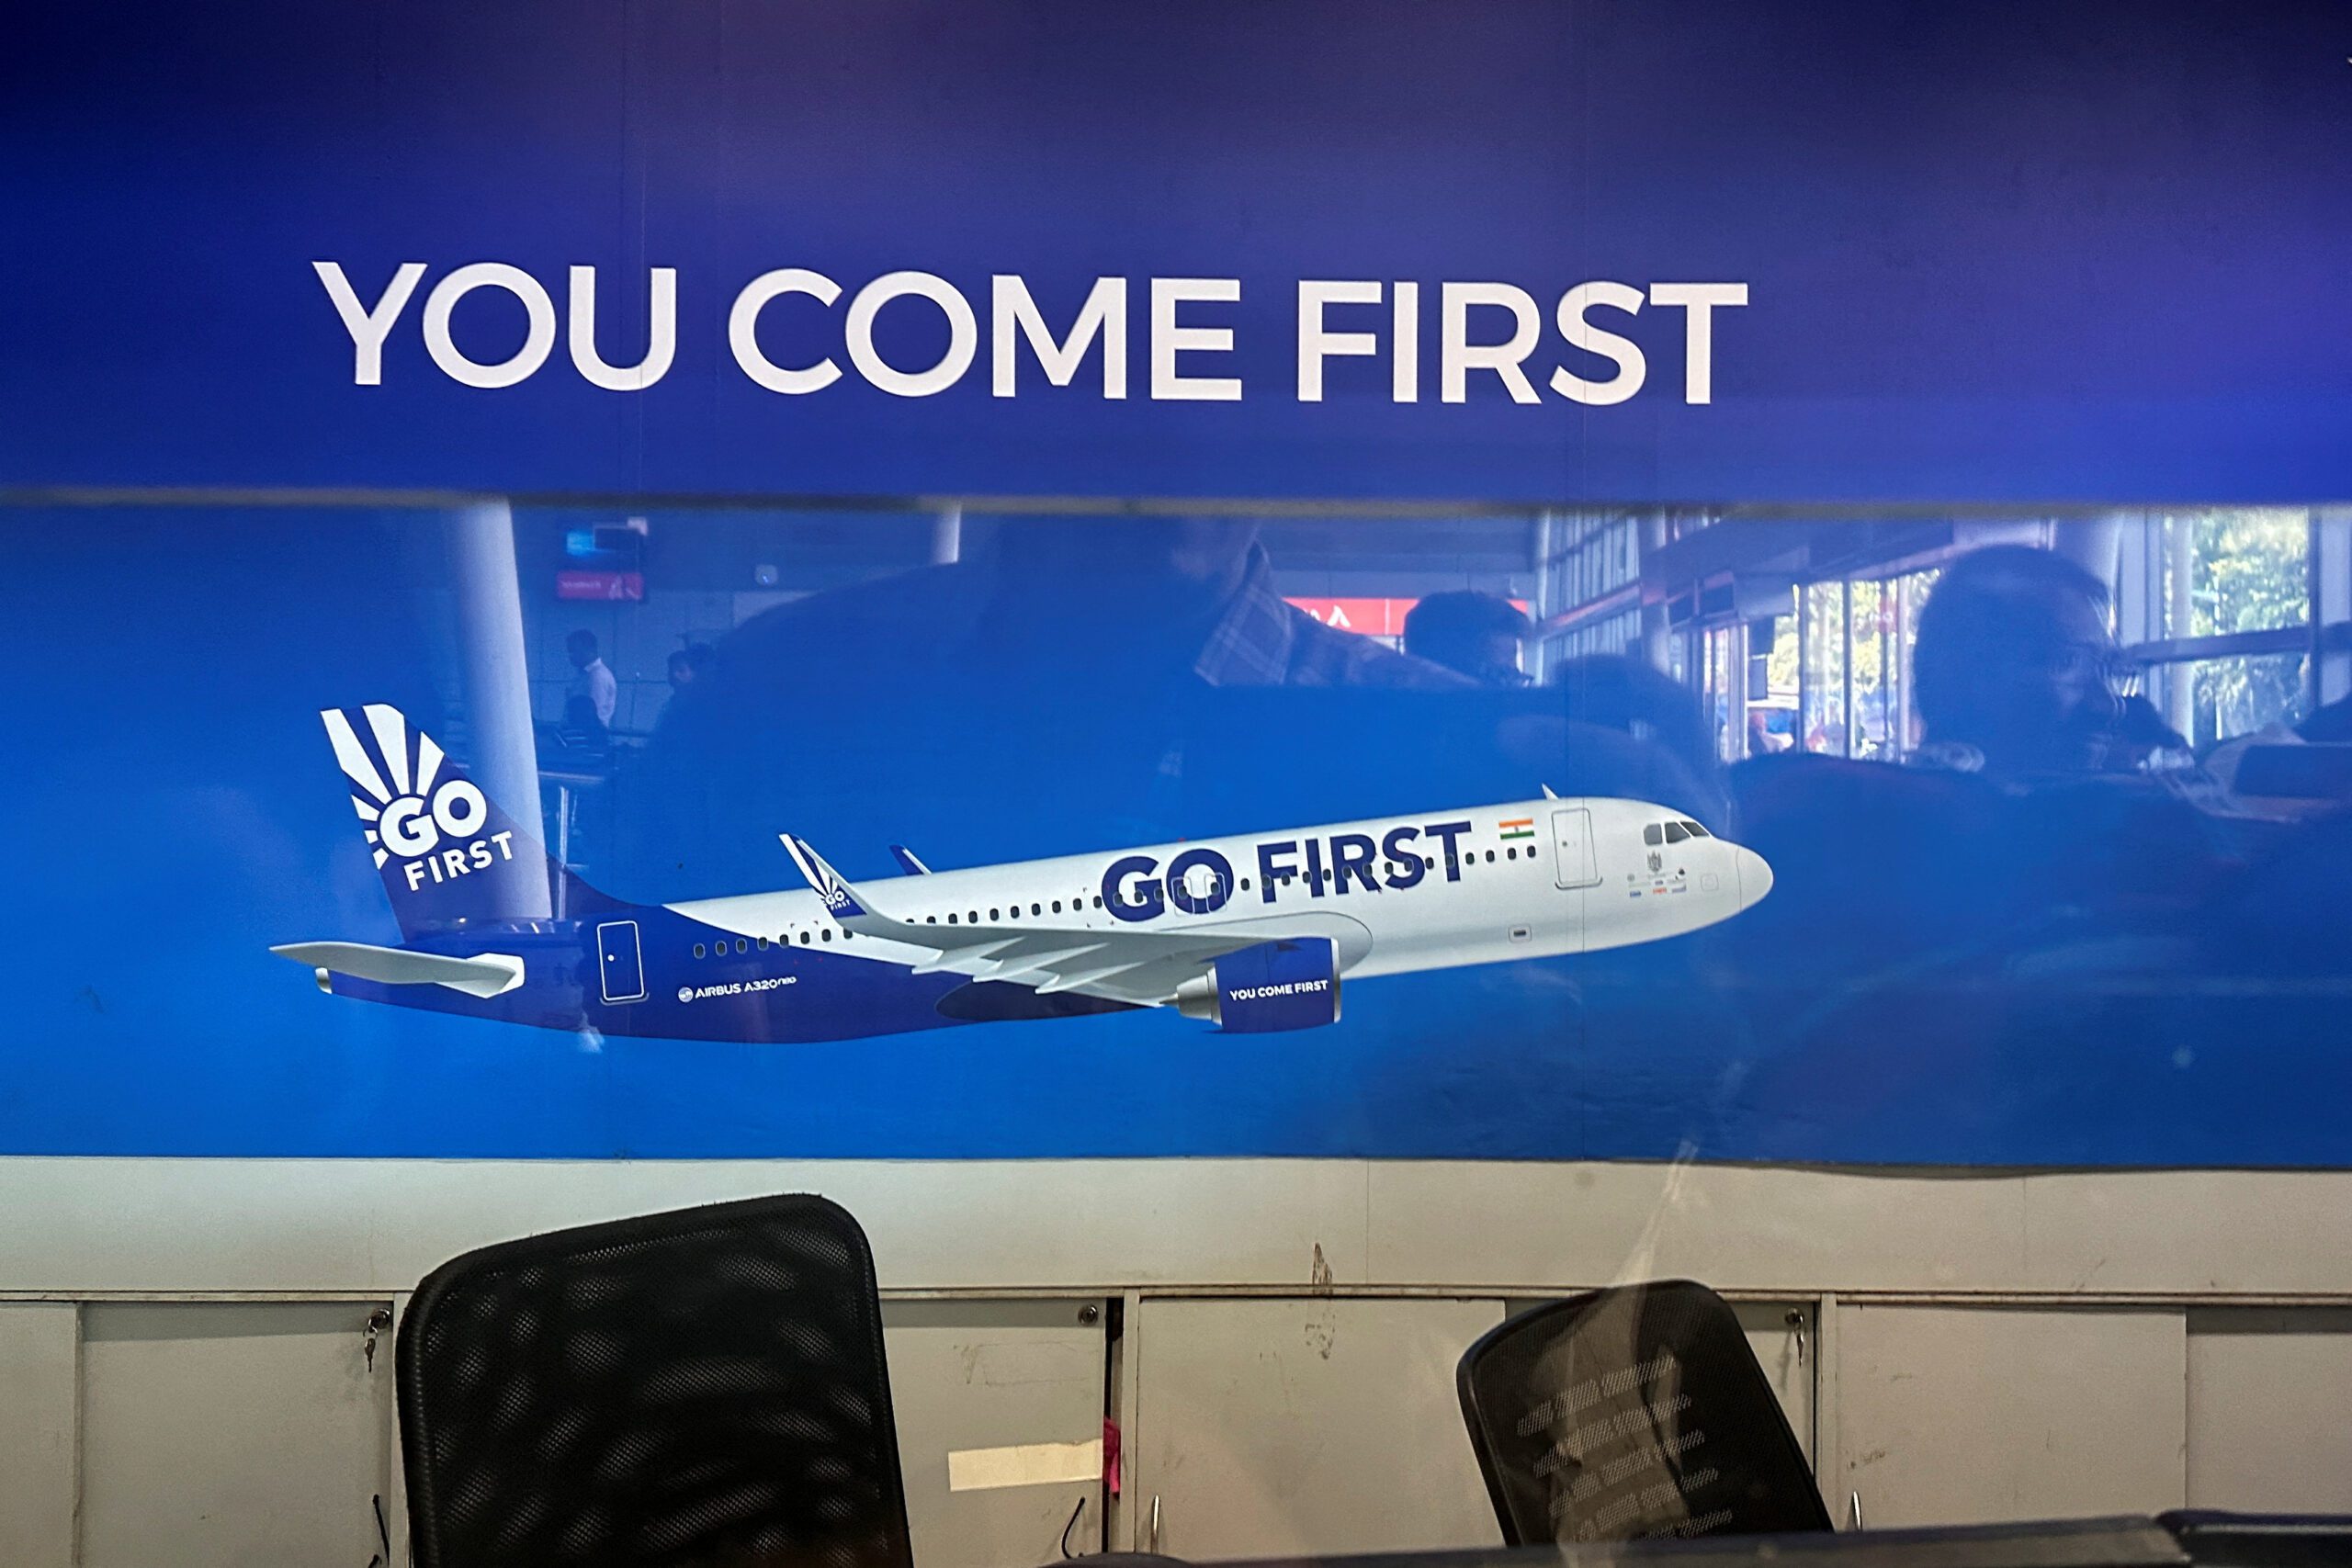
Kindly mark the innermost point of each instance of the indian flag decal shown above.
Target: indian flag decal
(1518, 827)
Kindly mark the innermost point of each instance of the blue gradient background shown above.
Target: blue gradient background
(1998, 251)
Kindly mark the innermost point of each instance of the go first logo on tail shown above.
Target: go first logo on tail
(434, 825)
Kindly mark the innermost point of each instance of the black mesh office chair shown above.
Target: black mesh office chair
(704, 1389)
(1628, 1414)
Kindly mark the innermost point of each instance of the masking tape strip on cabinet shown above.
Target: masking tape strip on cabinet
(1026, 1464)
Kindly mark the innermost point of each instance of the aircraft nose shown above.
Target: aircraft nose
(1754, 876)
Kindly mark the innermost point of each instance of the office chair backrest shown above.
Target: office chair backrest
(703, 1389)
(1632, 1413)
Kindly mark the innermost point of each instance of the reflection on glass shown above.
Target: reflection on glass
(1870, 613)
(2243, 570)
(1725, 684)
(2240, 695)
(1773, 723)
(1824, 657)
(1038, 689)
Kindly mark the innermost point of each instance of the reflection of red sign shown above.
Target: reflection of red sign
(1372, 617)
(629, 585)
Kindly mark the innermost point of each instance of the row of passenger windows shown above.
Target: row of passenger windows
(972, 917)
(745, 945)
(1672, 832)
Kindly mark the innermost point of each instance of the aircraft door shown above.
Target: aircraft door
(620, 962)
(1572, 848)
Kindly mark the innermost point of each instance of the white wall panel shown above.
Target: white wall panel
(38, 1392)
(1974, 1414)
(231, 1434)
(81, 1226)
(996, 1403)
(2269, 1389)
(1274, 1427)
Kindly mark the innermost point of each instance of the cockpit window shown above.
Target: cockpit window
(1694, 829)
(1676, 832)
(1653, 834)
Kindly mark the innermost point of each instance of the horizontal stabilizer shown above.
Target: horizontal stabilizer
(484, 975)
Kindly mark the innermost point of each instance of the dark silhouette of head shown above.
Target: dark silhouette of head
(581, 648)
(689, 662)
(1477, 635)
(1614, 691)
(2015, 659)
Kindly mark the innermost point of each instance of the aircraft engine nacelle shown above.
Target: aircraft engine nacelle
(1292, 983)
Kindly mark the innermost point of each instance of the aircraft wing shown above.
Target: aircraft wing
(1139, 967)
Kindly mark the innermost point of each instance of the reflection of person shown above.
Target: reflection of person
(1478, 635)
(1635, 731)
(687, 663)
(595, 681)
(1975, 897)
(1140, 600)
(1061, 683)
(581, 729)
(2015, 673)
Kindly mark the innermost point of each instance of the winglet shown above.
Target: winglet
(1548, 795)
(907, 861)
(839, 900)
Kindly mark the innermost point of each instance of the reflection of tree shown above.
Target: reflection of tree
(1781, 664)
(2247, 574)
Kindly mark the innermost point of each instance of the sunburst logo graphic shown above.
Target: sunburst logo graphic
(834, 894)
(400, 792)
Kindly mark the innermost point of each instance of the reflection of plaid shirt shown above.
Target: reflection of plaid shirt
(956, 612)
(1262, 641)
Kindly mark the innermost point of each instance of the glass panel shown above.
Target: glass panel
(1871, 614)
(1825, 668)
(1772, 718)
(2238, 696)
(2242, 571)
(1913, 894)
(1726, 681)
(1913, 589)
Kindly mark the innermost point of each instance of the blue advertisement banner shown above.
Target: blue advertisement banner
(339, 833)
(667, 806)
(1482, 252)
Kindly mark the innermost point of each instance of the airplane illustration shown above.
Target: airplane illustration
(1251, 933)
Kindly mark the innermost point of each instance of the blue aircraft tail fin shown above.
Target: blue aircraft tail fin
(449, 855)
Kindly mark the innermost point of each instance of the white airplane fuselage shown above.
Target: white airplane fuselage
(1253, 931)
(1527, 879)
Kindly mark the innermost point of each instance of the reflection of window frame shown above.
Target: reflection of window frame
(2154, 564)
(1592, 598)
(1587, 597)
(1901, 595)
